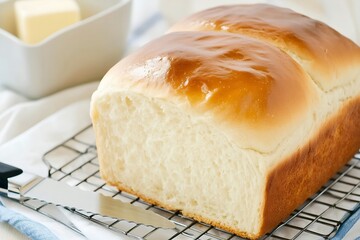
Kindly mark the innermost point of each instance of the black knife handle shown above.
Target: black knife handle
(7, 171)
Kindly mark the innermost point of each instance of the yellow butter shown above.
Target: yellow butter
(38, 19)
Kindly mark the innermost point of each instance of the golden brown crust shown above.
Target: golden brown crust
(237, 79)
(294, 180)
(224, 72)
(325, 50)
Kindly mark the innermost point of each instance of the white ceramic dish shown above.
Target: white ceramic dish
(79, 53)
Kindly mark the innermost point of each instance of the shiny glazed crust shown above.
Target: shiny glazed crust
(237, 79)
(311, 41)
(219, 71)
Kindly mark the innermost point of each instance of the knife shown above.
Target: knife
(22, 186)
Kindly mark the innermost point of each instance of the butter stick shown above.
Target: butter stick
(38, 19)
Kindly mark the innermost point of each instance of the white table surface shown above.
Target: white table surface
(28, 129)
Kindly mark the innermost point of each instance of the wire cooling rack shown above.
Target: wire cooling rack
(75, 162)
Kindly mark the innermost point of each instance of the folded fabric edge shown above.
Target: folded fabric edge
(347, 225)
(24, 225)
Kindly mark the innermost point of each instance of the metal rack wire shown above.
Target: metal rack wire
(75, 162)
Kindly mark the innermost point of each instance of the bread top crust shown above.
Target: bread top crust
(251, 86)
(331, 59)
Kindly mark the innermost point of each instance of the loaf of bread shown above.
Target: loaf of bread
(235, 117)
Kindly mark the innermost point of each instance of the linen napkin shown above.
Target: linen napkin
(347, 226)
(29, 228)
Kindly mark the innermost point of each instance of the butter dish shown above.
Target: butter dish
(79, 53)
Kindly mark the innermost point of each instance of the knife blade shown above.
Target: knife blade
(19, 185)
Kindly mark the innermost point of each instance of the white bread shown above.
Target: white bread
(234, 128)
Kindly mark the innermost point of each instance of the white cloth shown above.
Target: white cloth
(28, 129)
(27, 150)
(22, 115)
(9, 233)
